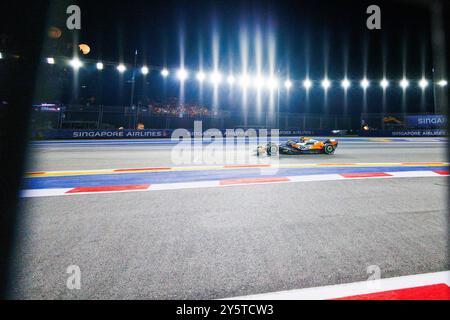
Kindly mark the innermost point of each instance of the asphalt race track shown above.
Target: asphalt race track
(140, 226)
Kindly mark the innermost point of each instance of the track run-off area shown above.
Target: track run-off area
(141, 225)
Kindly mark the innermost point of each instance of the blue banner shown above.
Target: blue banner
(80, 134)
(54, 134)
(427, 121)
(101, 134)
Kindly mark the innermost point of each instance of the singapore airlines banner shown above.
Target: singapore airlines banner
(101, 134)
(61, 134)
(86, 134)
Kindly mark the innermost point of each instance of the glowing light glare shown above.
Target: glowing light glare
(259, 82)
(182, 74)
(384, 83)
(216, 78)
(404, 83)
(200, 76)
(288, 84)
(121, 68)
(442, 83)
(365, 83)
(244, 81)
(165, 73)
(144, 70)
(307, 84)
(50, 60)
(326, 84)
(76, 63)
(99, 66)
(231, 80)
(272, 83)
(423, 83)
(1, 55)
(345, 84)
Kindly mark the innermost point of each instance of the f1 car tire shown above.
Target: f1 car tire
(328, 149)
(272, 150)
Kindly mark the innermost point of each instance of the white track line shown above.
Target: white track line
(354, 289)
(34, 193)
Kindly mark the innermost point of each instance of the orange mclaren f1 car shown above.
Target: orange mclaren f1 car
(301, 146)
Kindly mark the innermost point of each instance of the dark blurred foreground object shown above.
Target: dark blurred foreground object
(18, 71)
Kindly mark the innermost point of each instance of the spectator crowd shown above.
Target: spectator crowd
(179, 110)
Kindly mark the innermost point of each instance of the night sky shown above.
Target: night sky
(310, 38)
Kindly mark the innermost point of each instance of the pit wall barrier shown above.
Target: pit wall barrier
(86, 134)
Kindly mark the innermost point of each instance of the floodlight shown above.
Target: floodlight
(365, 83)
(244, 81)
(144, 70)
(76, 63)
(288, 84)
(442, 83)
(345, 84)
(423, 83)
(404, 83)
(182, 74)
(121, 68)
(165, 73)
(230, 79)
(272, 83)
(200, 76)
(216, 77)
(326, 83)
(307, 84)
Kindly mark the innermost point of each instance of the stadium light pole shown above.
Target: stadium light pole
(133, 80)
(278, 108)
(441, 83)
(273, 83)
